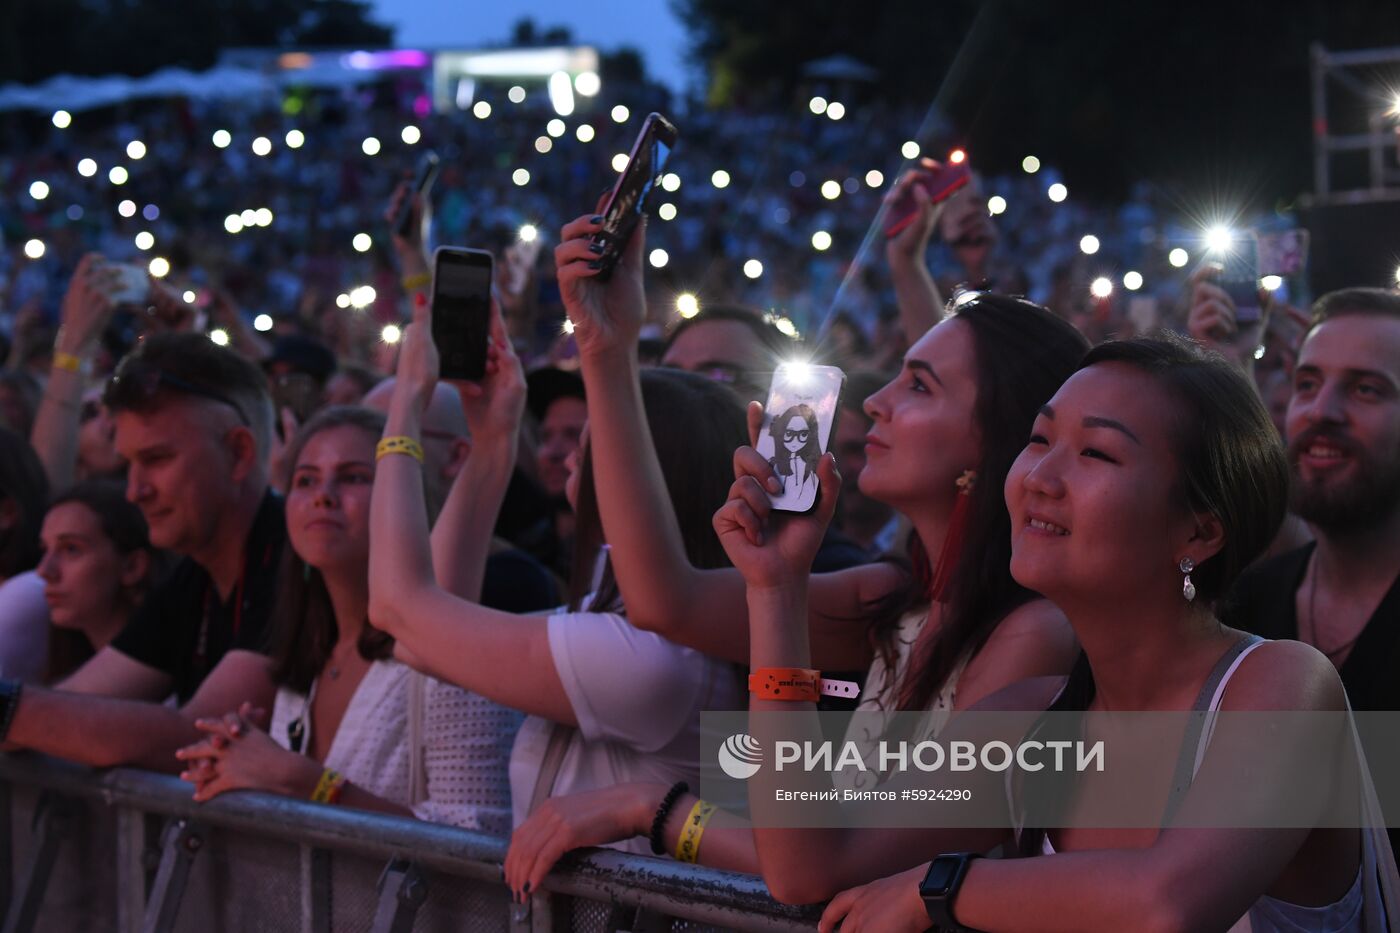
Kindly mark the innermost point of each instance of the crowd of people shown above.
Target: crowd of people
(301, 563)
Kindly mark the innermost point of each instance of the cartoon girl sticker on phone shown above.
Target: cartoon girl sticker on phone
(797, 448)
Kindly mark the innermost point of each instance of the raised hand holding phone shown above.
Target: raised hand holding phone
(772, 550)
(607, 315)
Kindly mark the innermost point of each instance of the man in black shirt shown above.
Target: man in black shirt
(194, 423)
(1342, 594)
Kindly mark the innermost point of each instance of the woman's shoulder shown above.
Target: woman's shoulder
(1283, 674)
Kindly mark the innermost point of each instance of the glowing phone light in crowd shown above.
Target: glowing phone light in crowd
(568, 327)
(659, 258)
(666, 211)
(144, 240)
(1397, 275)
(222, 138)
(516, 94)
(720, 179)
(34, 249)
(391, 333)
(543, 144)
(233, 223)
(835, 110)
(996, 204)
(262, 323)
(87, 168)
(1101, 287)
(817, 105)
(481, 110)
(753, 268)
(671, 181)
(555, 127)
(39, 190)
(784, 326)
(528, 233)
(1271, 283)
(584, 133)
(910, 150)
(1178, 257)
(1219, 238)
(874, 178)
(521, 177)
(1089, 245)
(587, 83)
(249, 217)
(1030, 165)
(797, 371)
(262, 146)
(159, 267)
(620, 114)
(342, 300)
(370, 146)
(262, 217)
(957, 157)
(410, 135)
(831, 190)
(219, 336)
(362, 242)
(687, 305)
(821, 241)
(135, 150)
(619, 162)
(62, 119)
(362, 297)
(1057, 192)
(295, 139)
(189, 297)
(117, 175)
(561, 93)
(1132, 281)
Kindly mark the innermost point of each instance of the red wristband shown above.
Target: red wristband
(799, 684)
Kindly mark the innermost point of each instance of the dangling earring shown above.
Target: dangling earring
(1188, 589)
(951, 552)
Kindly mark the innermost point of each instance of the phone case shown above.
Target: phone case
(941, 183)
(1240, 278)
(798, 425)
(628, 201)
(461, 304)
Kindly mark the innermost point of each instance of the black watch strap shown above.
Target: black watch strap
(941, 884)
(9, 702)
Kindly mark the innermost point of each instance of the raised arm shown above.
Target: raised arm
(916, 294)
(663, 592)
(499, 655)
(86, 307)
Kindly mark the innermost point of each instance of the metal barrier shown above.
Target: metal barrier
(129, 851)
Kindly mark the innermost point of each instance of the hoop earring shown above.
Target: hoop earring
(1188, 589)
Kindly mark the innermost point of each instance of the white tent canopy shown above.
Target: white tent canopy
(67, 92)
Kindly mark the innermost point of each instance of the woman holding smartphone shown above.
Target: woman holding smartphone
(1149, 434)
(960, 407)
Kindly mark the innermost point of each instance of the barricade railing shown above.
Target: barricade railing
(128, 851)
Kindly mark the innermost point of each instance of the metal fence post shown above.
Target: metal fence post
(402, 890)
(131, 869)
(53, 818)
(315, 890)
(7, 848)
(181, 844)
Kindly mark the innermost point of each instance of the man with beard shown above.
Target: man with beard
(1341, 594)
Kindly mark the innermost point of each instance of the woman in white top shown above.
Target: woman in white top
(963, 402)
(1152, 478)
(403, 744)
(615, 704)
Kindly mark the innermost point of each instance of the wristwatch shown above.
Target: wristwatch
(940, 886)
(9, 701)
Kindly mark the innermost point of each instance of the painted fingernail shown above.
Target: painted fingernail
(595, 264)
(527, 887)
(596, 219)
(596, 248)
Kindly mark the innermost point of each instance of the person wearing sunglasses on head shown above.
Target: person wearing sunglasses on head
(194, 423)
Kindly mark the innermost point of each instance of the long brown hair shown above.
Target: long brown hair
(303, 619)
(696, 425)
(1023, 353)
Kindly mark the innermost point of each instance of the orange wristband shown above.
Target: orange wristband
(799, 684)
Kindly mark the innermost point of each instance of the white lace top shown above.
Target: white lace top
(466, 746)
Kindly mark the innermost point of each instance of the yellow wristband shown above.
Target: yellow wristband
(61, 360)
(688, 848)
(399, 445)
(328, 787)
(412, 283)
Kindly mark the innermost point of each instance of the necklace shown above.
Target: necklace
(1312, 618)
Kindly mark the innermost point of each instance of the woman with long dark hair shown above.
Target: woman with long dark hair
(1149, 481)
(350, 724)
(939, 635)
(797, 447)
(24, 494)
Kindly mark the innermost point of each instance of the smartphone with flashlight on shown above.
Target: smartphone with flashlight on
(461, 305)
(1240, 278)
(423, 180)
(799, 423)
(939, 180)
(628, 200)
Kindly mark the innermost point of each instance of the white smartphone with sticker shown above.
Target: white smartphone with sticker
(798, 424)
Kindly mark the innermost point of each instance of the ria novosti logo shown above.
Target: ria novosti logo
(740, 756)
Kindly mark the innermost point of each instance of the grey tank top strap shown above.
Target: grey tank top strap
(1195, 726)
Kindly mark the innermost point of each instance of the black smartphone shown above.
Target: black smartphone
(462, 310)
(1240, 278)
(422, 180)
(627, 202)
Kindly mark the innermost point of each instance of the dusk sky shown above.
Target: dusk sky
(648, 25)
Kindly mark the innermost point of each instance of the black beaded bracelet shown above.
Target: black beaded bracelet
(658, 823)
(9, 701)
